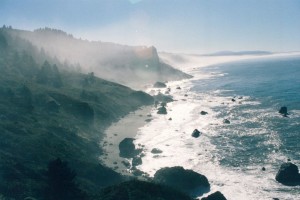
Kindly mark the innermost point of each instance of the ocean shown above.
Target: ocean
(249, 94)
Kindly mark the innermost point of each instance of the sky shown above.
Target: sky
(185, 26)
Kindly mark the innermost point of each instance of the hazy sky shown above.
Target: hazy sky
(190, 26)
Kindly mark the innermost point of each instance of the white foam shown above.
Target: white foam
(173, 137)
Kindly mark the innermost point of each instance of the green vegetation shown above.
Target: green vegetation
(51, 121)
(128, 65)
(60, 182)
(49, 111)
(140, 190)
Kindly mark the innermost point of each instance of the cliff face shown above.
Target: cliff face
(128, 65)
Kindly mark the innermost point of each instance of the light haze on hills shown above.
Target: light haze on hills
(175, 26)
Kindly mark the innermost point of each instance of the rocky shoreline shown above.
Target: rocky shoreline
(131, 153)
(122, 154)
(126, 127)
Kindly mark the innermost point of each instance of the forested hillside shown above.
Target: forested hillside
(128, 65)
(49, 111)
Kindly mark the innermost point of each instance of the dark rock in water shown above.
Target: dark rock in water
(226, 121)
(170, 119)
(215, 196)
(163, 104)
(163, 98)
(126, 163)
(263, 169)
(233, 100)
(137, 172)
(288, 174)
(136, 161)
(127, 148)
(203, 113)
(156, 151)
(162, 110)
(275, 199)
(182, 179)
(283, 110)
(159, 85)
(196, 133)
(288, 159)
(186, 95)
(148, 120)
(178, 88)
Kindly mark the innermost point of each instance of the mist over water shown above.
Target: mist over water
(232, 155)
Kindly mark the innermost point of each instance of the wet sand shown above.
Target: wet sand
(127, 127)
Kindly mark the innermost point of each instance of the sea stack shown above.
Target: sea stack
(159, 85)
(162, 111)
(196, 133)
(288, 174)
(215, 196)
(127, 148)
(283, 111)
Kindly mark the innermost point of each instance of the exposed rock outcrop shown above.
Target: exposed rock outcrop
(159, 85)
(162, 110)
(183, 179)
(215, 196)
(156, 151)
(226, 121)
(163, 98)
(288, 174)
(203, 112)
(196, 133)
(127, 148)
(283, 111)
(137, 161)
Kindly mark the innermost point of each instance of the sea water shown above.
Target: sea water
(249, 94)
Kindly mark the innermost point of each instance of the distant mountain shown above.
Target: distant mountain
(129, 65)
(238, 53)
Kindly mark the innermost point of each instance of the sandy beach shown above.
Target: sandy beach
(127, 127)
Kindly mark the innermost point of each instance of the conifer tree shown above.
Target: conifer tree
(61, 182)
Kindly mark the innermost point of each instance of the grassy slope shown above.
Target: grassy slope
(40, 122)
